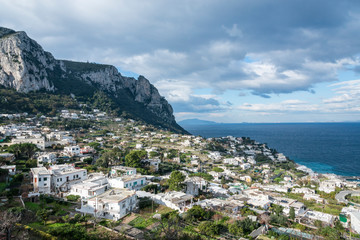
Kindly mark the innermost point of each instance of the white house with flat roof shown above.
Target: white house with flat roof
(95, 185)
(39, 142)
(324, 217)
(72, 150)
(63, 176)
(122, 170)
(112, 204)
(176, 200)
(10, 168)
(41, 179)
(130, 182)
(46, 158)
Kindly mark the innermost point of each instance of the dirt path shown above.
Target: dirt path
(129, 218)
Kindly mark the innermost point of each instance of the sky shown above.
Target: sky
(225, 61)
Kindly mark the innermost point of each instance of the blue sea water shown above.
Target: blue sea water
(323, 147)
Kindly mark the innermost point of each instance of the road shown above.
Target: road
(340, 197)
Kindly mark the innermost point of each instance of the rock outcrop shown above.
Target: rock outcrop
(23, 62)
(26, 67)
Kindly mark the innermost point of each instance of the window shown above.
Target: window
(39, 179)
(45, 184)
(135, 183)
(45, 178)
(125, 185)
(84, 173)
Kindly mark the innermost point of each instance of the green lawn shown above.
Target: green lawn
(32, 206)
(141, 222)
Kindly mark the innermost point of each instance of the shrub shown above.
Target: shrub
(72, 198)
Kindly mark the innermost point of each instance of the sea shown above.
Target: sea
(322, 147)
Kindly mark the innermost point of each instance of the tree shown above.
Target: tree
(176, 180)
(133, 159)
(217, 169)
(95, 145)
(277, 209)
(170, 229)
(154, 154)
(31, 163)
(292, 213)
(198, 213)
(23, 150)
(209, 228)
(235, 229)
(43, 215)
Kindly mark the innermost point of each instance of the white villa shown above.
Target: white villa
(63, 176)
(39, 142)
(41, 179)
(176, 200)
(72, 150)
(122, 170)
(112, 204)
(95, 185)
(46, 158)
(130, 182)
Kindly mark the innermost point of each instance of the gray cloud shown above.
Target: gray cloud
(198, 104)
(184, 45)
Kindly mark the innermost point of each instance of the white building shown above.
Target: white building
(214, 155)
(46, 158)
(112, 204)
(41, 179)
(303, 190)
(315, 197)
(95, 185)
(72, 150)
(10, 168)
(327, 186)
(354, 215)
(194, 184)
(154, 163)
(139, 146)
(324, 217)
(130, 182)
(176, 200)
(245, 166)
(39, 142)
(122, 170)
(231, 161)
(63, 176)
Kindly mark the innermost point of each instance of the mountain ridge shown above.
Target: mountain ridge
(26, 67)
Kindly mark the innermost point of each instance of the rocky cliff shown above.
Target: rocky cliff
(26, 67)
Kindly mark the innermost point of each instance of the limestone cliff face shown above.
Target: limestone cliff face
(142, 90)
(23, 62)
(25, 67)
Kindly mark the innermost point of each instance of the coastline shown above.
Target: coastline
(325, 148)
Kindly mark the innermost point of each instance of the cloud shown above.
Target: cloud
(347, 98)
(293, 105)
(200, 104)
(292, 45)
